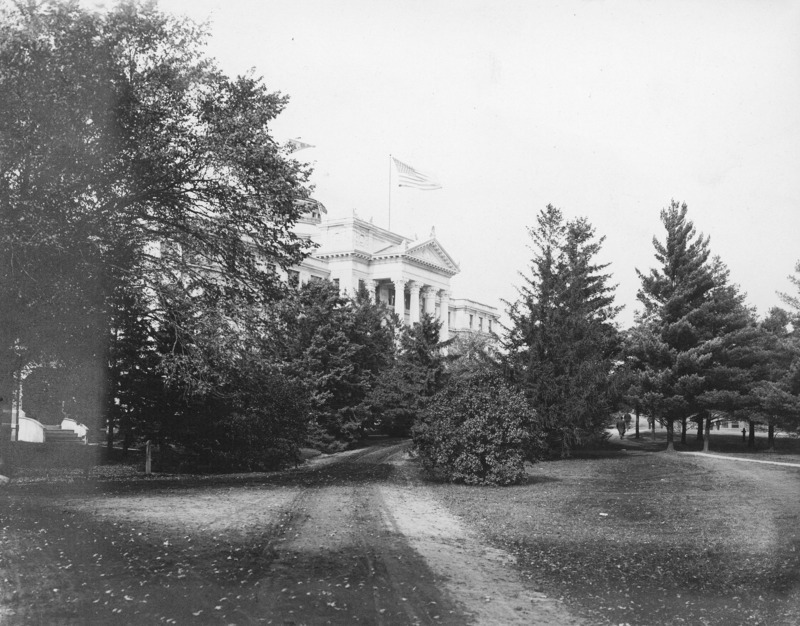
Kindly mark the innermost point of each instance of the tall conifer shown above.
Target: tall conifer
(562, 341)
(694, 344)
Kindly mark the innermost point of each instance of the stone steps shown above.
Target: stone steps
(57, 435)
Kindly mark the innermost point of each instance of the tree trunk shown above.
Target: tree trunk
(110, 432)
(771, 437)
(751, 441)
(654, 428)
(683, 430)
(637, 423)
(670, 436)
(707, 435)
(700, 430)
(126, 434)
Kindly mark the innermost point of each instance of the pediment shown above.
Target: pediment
(431, 252)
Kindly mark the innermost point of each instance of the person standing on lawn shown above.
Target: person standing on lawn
(621, 427)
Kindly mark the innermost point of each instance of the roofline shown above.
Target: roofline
(369, 226)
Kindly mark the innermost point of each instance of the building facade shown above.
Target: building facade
(412, 276)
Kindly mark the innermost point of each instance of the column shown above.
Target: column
(400, 297)
(444, 307)
(429, 300)
(372, 288)
(413, 288)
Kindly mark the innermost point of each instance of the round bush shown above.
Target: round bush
(477, 431)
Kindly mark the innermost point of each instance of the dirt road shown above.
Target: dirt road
(350, 539)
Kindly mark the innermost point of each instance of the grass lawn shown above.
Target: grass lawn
(634, 536)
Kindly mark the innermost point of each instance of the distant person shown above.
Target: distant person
(744, 435)
(621, 427)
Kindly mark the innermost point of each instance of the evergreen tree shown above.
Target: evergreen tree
(694, 341)
(775, 390)
(562, 343)
(784, 396)
(417, 373)
(337, 348)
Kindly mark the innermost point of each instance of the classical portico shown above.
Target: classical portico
(411, 276)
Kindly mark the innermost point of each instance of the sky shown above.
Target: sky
(606, 109)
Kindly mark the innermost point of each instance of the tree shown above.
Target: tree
(227, 403)
(793, 301)
(128, 161)
(694, 345)
(671, 294)
(337, 348)
(471, 354)
(416, 374)
(774, 392)
(562, 343)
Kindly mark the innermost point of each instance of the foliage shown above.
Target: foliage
(403, 388)
(337, 348)
(472, 354)
(264, 429)
(794, 300)
(694, 345)
(477, 431)
(131, 170)
(51, 393)
(226, 402)
(44, 394)
(562, 343)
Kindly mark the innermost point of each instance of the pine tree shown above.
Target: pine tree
(563, 342)
(695, 340)
(417, 373)
(337, 347)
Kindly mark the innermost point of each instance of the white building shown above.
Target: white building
(413, 276)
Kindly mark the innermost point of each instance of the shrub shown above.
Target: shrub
(478, 431)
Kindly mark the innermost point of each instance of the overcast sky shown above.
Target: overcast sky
(604, 109)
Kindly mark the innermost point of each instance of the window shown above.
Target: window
(490, 325)
(294, 278)
(480, 324)
(470, 321)
(315, 279)
(449, 318)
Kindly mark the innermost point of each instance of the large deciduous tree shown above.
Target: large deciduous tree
(563, 342)
(129, 164)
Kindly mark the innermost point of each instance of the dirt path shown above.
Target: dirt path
(347, 540)
(479, 577)
(742, 459)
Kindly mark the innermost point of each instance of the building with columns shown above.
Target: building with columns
(413, 276)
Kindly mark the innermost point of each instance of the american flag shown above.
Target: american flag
(295, 144)
(409, 177)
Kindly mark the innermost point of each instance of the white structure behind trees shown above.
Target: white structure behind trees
(413, 276)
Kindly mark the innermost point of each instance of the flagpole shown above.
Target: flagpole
(389, 220)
